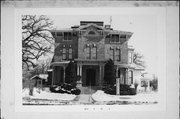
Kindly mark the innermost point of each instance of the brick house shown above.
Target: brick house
(90, 45)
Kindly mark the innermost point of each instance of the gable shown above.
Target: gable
(91, 26)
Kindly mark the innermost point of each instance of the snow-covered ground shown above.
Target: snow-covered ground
(98, 98)
(45, 96)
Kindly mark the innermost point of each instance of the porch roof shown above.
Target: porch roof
(62, 63)
(132, 66)
(90, 61)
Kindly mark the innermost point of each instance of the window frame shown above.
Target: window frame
(64, 53)
(94, 53)
(70, 53)
(88, 51)
(67, 38)
(118, 54)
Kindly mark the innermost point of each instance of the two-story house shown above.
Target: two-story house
(90, 45)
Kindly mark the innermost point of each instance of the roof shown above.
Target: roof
(119, 32)
(99, 23)
(63, 29)
(61, 63)
(90, 24)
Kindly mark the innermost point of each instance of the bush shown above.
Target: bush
(70, 75)
(109, 73)
(65, 88)
(124, 90)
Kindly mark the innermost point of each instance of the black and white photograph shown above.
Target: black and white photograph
(111, 61)
(89, 60)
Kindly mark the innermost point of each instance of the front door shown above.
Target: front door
(90, 77)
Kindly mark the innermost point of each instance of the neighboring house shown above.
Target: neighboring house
(38, 80)
(90, 45)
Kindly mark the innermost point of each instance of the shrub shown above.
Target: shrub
(65, 88)
(70, 75)
(109, 73)
(124, 90)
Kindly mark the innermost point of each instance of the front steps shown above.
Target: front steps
(89, 89)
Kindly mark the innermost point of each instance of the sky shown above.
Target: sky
(143, 27)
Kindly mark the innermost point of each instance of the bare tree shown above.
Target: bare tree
(36, 38)
(138, 59)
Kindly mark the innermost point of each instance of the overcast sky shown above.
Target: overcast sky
(144, 38)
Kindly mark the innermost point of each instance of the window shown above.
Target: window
(94, 52)
(70, 53)
(118, 54)
(67, 35)
(115, 38)
(130, 57)
(91, 33)
(123, 37)
(111, 53)
(59, 34)
(64, 53)
(88, 52)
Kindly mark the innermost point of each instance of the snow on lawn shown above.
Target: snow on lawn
(39, 94)
(101, 96)
(145, 97)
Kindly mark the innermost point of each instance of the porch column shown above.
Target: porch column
(116, 71)
(64, 68)
(53, 76)
(102, 78)
(100, 73)
(80, 74)
(126, 79)
(117, 82)
(78, 70)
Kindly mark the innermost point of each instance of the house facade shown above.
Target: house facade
(90, 45)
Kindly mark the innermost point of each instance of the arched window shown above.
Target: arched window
(64, 53)
(94, 52)
(88, 52)
(70, 53)
(91, 33)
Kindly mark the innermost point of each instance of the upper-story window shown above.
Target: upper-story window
(88, 51)
(118, 54)
(70, 53)
(122, 36)
(130, 57)
(94, 52)
(67, 52)
(64, 53)
(115, 53)
(67, 36)
(91, 51)
(59, 34)
(91, 33)
(115, 38)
